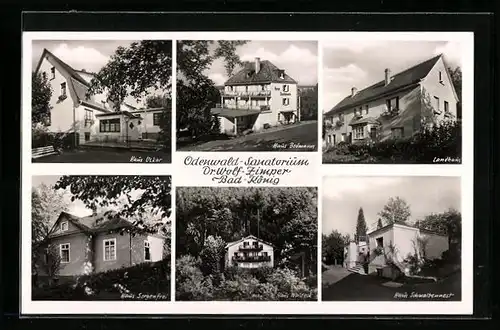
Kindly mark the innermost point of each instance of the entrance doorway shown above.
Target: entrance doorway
(87, 136)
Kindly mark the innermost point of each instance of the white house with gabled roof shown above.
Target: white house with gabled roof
(249, 252)
(94, 118)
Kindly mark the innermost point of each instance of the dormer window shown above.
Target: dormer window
(281, 74)
(64, 226)
(53, 73)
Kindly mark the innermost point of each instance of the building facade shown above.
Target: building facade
(249, 252)
(259, 96)
(92, 117)
(394, 243)
(99, 243)
(396, 107)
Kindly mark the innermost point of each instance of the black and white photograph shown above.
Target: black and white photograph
(100, 238)
(101, 101)
(392, 238)
(392, 101)
(247, 95)
(246, 244)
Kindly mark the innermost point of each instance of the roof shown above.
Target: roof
(407, 226)
(232, 113)
(248, 237)
(363, 120)
(98, 222)
(75, 81)
(126, 113)
(405, 79)
(268, 73)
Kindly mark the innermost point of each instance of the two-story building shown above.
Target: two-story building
(258, 96)
(396, 107)
(92, 117)
(98, 243)
(249, 252)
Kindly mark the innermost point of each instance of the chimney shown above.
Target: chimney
(257, 64)
(83, 70)
(387, 76)
(354, 90)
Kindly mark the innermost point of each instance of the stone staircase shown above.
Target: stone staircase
(358, 269)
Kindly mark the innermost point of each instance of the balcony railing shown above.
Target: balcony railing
(258, 247)
(251, 258)
(247, 94)
(244, 107)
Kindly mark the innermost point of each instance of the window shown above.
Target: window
(440, 77)
(109, 249)
(366, 109)
(103, 104)
(64, 226)
(156, 119)
(147, 251)
(246, 89)
(397, 132)
(245, 243)
(380, 242)
(53, 73)
(343, 137)
(286, 88)
(393, 104)
(264, 254)
(63, 89)
(263, 87)
(359, 132)
(110, 125)
(436, 103)
(255, 244)
(44, 75)
(64, 252)
(373, 132)
(88, 117)
(341, 117)
(446, 107)
(286, 101)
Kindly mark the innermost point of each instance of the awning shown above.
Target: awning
(364, 120)
(233, 113)
(126, 113)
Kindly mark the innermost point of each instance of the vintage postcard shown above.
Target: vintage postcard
(178, 173)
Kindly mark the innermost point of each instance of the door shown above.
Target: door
(87, 136)
(373, 133)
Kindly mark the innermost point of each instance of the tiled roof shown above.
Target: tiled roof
(98, 222)
(363, 120)
(268, 73)
(248, 237)
(406, 78)
(233, 113)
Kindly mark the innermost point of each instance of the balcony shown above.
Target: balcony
(252, 258)
(257, 247)
(245, 107)
(265, 93)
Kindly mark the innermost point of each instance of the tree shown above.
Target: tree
(136, 70)
(47, 205)
(41, 93)
(361, 226)
(152, 194)
(165, 102)
(449, 223)
(158, 101)
(379, 223)
(456, 79)
(395, 211)
(333, 246)
(196, 93)
(212, 255)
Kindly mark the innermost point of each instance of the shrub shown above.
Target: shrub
(189, 280)
(66, 291)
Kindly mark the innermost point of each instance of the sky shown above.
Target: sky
(361, 63)
(76, 207)
(343, 196)
(299, 59)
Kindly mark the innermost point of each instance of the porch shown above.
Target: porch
(236, 120)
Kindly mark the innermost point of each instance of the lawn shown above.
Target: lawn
(297, 137)
(107, 155)
(345, 286)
